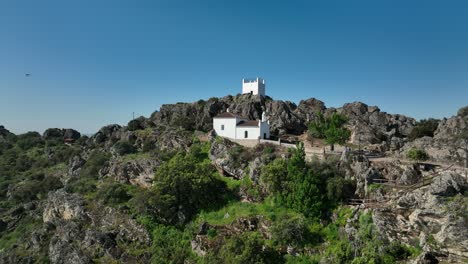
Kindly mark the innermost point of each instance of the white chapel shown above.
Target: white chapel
(234, 126)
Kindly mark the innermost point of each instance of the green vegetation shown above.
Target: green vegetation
(311, 189)
(124, 147)
(417, 154)
(463, 111)
(135, 124)
(330, 128)
(424, 128)
(30, 167)
(298, 204)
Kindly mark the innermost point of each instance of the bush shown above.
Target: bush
(135, 124)
(246, 248)
(29, 140)
(289, 230)
(170, 245)
(417, 154)
(339, 189)
(35, 188)
(124, 148)
(424, 128)
(183, 185)
(96, 160)
(113, 193)
(463, 111)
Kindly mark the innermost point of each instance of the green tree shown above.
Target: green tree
(183, 185)
(330, 128)
(294, 184)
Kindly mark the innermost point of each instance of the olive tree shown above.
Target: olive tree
(330, 128)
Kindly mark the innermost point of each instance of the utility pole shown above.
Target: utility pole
(133, 115)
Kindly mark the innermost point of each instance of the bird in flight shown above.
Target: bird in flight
(27, 74)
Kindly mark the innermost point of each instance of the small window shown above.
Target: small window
(246, 134)
(222, 127)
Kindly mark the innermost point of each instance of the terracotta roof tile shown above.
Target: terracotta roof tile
(248, 123)
(228, 115)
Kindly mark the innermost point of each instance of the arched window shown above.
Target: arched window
(246, 134)
(222, 127)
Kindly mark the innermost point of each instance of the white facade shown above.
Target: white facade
(232, 126)
(253, 86)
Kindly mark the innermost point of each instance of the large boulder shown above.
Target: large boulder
(448, 184)
(371, 126)
(224, 154)
(59, 133)
(446, 145)
(71, 134)
(410, 176)
(63, 206)
(107, 133)
(138, 172)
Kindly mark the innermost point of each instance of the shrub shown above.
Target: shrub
(96, 160)
(135, 124)
(170, 245)
(417, 154)
(463, 111)
(185, 185)
(124, 148)
(247, 248)
(424, 128)
(338, 188)
(184, 121)
(113, 193)
(289, 230)
(211, 233)
(29, 140)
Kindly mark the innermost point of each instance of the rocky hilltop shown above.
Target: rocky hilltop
(368, 123)
(163, 189)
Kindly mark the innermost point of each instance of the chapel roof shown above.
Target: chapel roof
(228, 115)
(248, 123)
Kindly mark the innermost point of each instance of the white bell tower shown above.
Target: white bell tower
(253, 86)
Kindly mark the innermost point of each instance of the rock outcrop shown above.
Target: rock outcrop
(59, 133)
(446, 145)
(224, 155)
(368, 124)
(138, 172)
(81, 234)
(434, 214)
(61, 206)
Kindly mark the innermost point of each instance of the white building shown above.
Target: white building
(233, 126)
(253, 86)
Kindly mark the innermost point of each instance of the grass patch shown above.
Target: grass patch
(237, 209)
(135, 156)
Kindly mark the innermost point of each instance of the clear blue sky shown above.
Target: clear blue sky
(93, 63)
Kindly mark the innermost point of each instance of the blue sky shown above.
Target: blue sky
(93, 63)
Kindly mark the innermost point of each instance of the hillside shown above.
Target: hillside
(164, 189)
